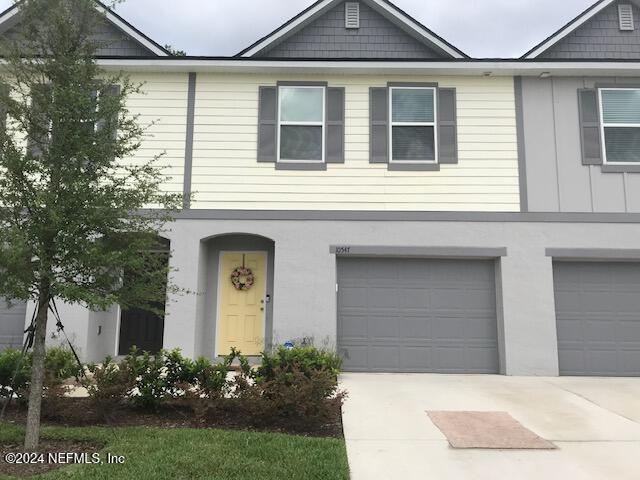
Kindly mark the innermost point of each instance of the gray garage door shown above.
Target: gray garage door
(417, 315)
(11, 324)
(598, 312)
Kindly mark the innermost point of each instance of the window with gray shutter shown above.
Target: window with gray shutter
(413, 126)
(589, 126)
(301, 125)
(620, 114)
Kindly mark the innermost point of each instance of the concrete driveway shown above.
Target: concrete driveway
(595, 422)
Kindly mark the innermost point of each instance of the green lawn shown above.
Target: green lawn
(157, 454)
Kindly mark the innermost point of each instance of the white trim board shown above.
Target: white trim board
(486, 68)
(320, 7)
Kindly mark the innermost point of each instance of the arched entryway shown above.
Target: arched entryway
(238, 315)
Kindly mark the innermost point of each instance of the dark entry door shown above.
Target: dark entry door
(141, 329)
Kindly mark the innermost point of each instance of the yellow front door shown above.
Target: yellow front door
(241, 313)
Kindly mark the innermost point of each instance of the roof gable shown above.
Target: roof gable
(594, 34)
(385, 32)
(121, 38)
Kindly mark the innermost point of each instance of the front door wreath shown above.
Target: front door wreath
(242, 278)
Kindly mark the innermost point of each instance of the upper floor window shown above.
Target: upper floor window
(301, 124)
(620, 125)
(413, 124)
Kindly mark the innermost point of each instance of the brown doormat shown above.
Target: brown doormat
(492, 430)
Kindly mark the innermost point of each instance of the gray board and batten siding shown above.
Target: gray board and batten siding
(556, 178)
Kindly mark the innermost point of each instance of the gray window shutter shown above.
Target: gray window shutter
(447, 126)
(4, 90)
(38, 136)
(590, 126)
(379, 125)
(112, 123)
(267, 124)
(335, 125)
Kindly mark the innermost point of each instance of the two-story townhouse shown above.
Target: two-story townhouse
(419, 210)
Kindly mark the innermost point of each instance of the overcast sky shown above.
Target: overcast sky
(481, 28)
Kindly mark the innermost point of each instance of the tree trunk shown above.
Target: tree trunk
(32, 437)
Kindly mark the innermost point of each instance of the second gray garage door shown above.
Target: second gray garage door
(417, 315)
(12, 322)
(598, 318)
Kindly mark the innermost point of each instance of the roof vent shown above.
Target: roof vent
(625, 14)
(352, 15)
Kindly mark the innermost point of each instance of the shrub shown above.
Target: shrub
(292, 400)
(61, 364)
(150, 387)
(9, 360)
(304, 359)
(212, 381)
(109, 384)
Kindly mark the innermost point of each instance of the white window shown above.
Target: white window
(301, 114)
(412, 124)
(620, 125)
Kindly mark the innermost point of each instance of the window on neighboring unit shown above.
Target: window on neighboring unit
(301, 114)
(620, 125)
(412, 112)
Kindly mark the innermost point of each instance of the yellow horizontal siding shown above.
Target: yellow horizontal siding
(226, 174)
(161, 107)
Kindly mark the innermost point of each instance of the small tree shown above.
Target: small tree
(71, 198)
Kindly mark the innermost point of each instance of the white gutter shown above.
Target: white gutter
(472, 68)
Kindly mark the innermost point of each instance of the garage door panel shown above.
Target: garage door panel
(416, 358)
(415, 298)
(626, 302)
(384, 327)
(420, 316)
(382, 356)
(474, 299)
(628, 329)
(354, 327)
(598, 318)
(357, 357)
(416, 327)
(629, 361)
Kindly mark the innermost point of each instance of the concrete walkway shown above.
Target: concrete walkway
(594, 422)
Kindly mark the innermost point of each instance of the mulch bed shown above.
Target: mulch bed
(51, 456)
(80, 412)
